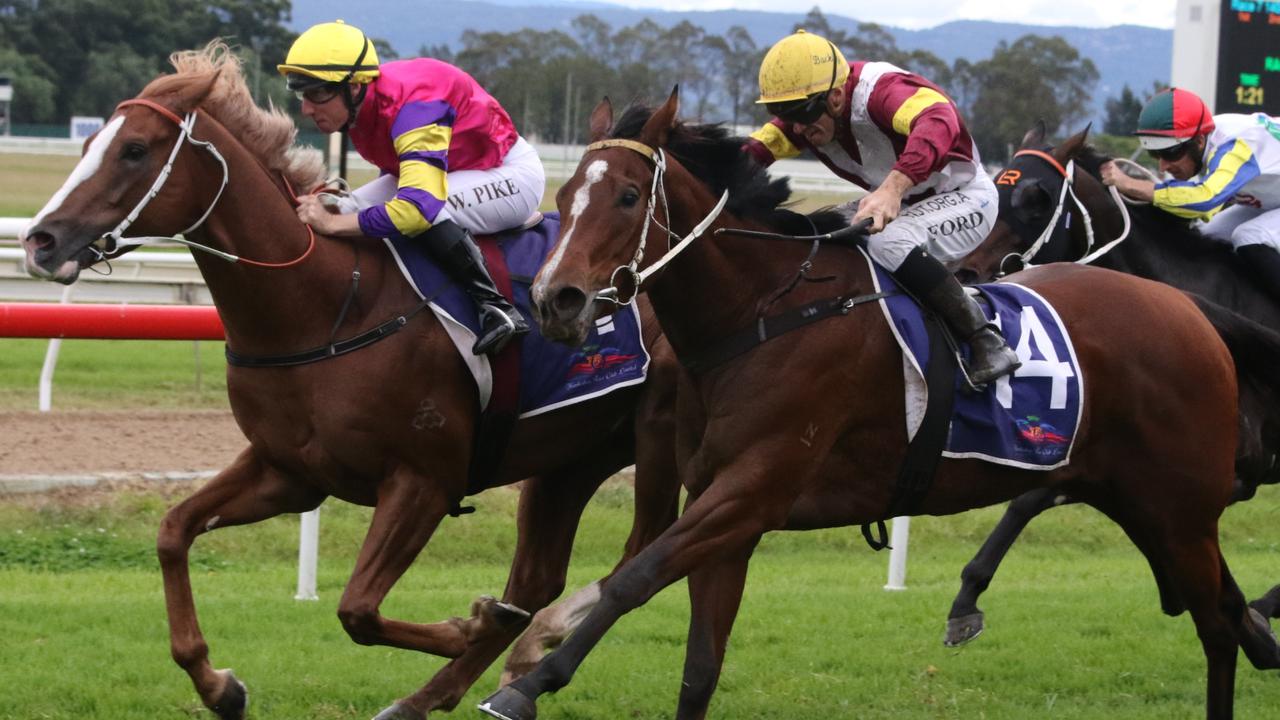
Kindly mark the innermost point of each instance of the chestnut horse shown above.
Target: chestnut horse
(1149, 243)
(820, 416)
(389, 426)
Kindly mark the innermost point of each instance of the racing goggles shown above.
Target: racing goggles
(1171, 154)
(800, 112)
(320, 94)
(311, 89)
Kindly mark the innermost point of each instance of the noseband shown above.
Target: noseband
(1068, 189)
(658, 188)
(111, 241)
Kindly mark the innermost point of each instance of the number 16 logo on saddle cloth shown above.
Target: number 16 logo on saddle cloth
(1027, 419)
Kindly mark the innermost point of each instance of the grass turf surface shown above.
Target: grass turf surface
(1075, 629)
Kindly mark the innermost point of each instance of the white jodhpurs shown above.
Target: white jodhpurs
(482, 201)
(949, 225)
(1243, 225)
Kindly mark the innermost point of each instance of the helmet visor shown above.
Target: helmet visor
(1160, 142)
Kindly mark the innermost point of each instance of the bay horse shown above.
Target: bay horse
(390, 426)
(1149, 243)
(820, 417)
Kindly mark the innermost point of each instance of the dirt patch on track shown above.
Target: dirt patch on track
(110, 441)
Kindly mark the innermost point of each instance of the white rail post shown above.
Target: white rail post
(308, 550)
(51, 362)
(898, 554)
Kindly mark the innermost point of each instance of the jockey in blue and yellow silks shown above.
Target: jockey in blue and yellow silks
(1224, 170)
(900, 137)
(451, 160)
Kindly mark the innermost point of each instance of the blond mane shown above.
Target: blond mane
(267, 133)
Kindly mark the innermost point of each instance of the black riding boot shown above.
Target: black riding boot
(1264, 264)
(927, 279)
(450, 245)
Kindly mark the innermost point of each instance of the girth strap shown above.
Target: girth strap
(924, 452)
(332, 350)
(768, 328)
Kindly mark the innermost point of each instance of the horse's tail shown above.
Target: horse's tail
(1254, 347)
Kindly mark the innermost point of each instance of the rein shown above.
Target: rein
(111, 241)
(1068, 189)
(658, 188)
(769, 327)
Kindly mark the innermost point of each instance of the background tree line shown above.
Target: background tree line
(550, 80)
(81, 57)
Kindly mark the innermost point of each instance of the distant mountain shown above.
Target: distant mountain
(1124, 54)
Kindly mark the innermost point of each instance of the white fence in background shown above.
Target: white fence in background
(559, 161)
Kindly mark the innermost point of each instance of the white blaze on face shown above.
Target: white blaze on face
(594, 173)
(88, 165)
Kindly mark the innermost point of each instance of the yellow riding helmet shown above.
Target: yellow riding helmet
(332, 52)
(800, 65)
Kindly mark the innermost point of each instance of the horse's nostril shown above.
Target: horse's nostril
(41, 240)
(567, 303)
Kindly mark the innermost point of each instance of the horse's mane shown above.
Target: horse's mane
(1091, 159)
(716, 158)
(268, 134)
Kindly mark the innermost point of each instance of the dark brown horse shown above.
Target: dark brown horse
(819, 416)
(1149, 243)
(390, 426)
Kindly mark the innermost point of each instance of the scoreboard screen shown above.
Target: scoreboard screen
(1249, 57)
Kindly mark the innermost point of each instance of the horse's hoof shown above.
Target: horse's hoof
(1260, 621)
(1262, 648)
(232, 701)
(400, 711)
(503, 615)
(509, 704)
(507, 615)
(963, 629)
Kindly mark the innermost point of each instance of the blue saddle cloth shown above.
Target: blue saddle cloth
(1026, 420)
(551, 375)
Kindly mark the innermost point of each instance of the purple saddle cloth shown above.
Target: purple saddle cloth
(1027, 419)
(551, 375)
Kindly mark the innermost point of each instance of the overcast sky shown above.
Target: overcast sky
(927, 13)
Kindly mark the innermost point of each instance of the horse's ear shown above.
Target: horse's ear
(658, 126)
(191, 95)
(1072, 146)
(1034, 136)
(601, 119)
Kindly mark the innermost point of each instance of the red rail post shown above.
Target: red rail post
(110, 322)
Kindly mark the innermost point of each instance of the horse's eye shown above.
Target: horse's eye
(629, 198)
(134, 151)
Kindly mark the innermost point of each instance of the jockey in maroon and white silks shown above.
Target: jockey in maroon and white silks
(899, 137)
(897, 120)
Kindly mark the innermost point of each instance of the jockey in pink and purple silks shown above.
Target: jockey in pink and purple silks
(452, 163)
